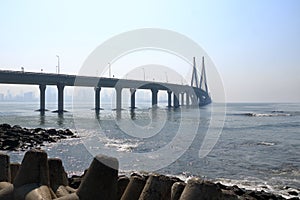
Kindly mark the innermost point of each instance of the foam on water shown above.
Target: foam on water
(121, 145)
(267, 143)
(272, 114)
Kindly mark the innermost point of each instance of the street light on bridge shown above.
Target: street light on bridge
(57, 64)
(109, 69)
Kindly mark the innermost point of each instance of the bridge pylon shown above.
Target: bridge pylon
(203, 80)
(194, 81)
(200, 87)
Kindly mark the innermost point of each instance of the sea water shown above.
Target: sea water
(258, 146)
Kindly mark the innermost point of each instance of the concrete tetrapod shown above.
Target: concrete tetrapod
(34, 169)
(6, 188)
(198, 189)
(134, 188)
(122, 185)
(6, 191)
(14, 168)
(32, 179)
(176, 190)
(158, 187)
(100, 181)
(58, 178)
(5, 175)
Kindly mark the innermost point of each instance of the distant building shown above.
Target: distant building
(51, 94)
(9, 96)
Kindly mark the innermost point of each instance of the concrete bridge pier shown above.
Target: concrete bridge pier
(187, 100)
(176, 100)
(194, 99)
(169, 98)
(60, 89)
(97, 98)
(182, 98)
(154, 97)
(42, 98)
(118, 98)
(132, 98)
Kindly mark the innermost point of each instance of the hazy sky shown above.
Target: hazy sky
(254, 44)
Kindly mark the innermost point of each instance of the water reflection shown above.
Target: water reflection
(97, 115)
(132, 114)
(60, 119)
(42, 118)
(118, 114)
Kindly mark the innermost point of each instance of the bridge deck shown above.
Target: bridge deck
(197, 95)
(32, 78)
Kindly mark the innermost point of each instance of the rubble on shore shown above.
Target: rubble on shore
(16, 138)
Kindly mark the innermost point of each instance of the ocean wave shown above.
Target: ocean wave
(121, 145)
(272, 114)
(266, 143)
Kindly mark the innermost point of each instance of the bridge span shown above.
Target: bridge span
(190, 95)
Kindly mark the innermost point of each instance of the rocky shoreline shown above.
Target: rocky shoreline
(40, 177)
(16, 138)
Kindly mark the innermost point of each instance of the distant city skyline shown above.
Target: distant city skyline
(255, 45)
(107, 95)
